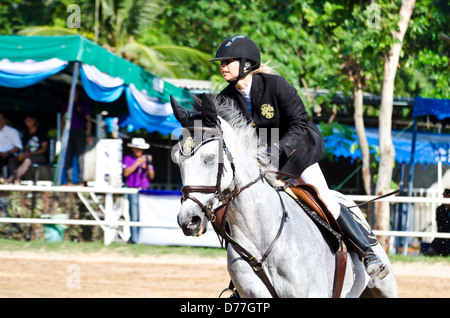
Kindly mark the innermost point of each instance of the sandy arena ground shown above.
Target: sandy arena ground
(35, 274)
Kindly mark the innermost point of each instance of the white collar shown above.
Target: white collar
(246, 91)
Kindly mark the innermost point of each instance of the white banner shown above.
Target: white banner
(162, 211)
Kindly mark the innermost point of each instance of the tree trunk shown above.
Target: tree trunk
(361, 133)
(387, 151)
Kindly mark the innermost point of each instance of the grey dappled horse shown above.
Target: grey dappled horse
(221, 160)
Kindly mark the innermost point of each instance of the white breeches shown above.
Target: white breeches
(313, 175)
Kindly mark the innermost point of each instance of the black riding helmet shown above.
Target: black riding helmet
(244, 50)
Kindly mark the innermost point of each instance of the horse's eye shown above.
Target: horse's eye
(208, 158)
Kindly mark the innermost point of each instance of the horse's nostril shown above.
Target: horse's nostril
(195, 220)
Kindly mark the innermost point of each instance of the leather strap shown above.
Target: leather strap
(204, 189)
(256, 265)
(341, 266)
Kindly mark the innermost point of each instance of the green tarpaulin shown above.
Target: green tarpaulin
(77, 48)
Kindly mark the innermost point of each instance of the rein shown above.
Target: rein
(256, 265)
(217, 217)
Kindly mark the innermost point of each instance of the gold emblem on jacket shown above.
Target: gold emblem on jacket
(267, 111)
(188, 145)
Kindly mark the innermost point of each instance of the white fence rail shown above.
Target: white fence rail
(418, 213)
(142, 224)
(113, 224)
(38, 188)
(421, 222)
(111, 211)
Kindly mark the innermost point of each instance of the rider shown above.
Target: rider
(269, 101)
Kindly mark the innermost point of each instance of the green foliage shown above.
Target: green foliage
(165, 60)
(312, 43)
(309, 42)
(418, 258)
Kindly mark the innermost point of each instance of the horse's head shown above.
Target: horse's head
(206, 170)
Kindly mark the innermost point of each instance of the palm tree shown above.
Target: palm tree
(167, 60)
(117, 24)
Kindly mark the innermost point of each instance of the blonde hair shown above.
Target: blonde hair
(264, 68)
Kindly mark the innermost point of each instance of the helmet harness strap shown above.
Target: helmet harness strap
(244, 64)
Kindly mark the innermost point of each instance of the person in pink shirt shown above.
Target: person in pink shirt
(137, 168)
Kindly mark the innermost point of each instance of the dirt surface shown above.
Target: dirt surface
(35, 274)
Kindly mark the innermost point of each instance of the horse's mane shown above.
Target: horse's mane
(247, 134)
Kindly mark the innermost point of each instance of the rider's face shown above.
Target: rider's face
(229, 69)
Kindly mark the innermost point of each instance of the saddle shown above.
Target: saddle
(309, 195)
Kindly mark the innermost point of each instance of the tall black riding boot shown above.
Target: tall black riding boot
(350, 228)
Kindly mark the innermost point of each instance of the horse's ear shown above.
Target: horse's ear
(209, 112)
(181, 113)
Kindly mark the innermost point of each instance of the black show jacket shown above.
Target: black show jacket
(276, 104)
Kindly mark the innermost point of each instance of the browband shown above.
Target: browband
(189, 145)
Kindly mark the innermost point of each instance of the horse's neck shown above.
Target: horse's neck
(254, 212)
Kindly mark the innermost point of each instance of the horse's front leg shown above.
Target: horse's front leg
(245, 280)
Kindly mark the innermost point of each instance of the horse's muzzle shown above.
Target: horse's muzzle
(194, 225)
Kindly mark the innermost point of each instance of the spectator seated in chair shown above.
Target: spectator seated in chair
(10, 146)
(36, 150)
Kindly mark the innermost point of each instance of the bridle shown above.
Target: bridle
(187, 190)
(217, 216)
(225, 197)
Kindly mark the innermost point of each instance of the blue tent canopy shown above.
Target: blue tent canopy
(430, 147)
(19, 79)
(410, 146)
(26, 61)
(439, 108)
